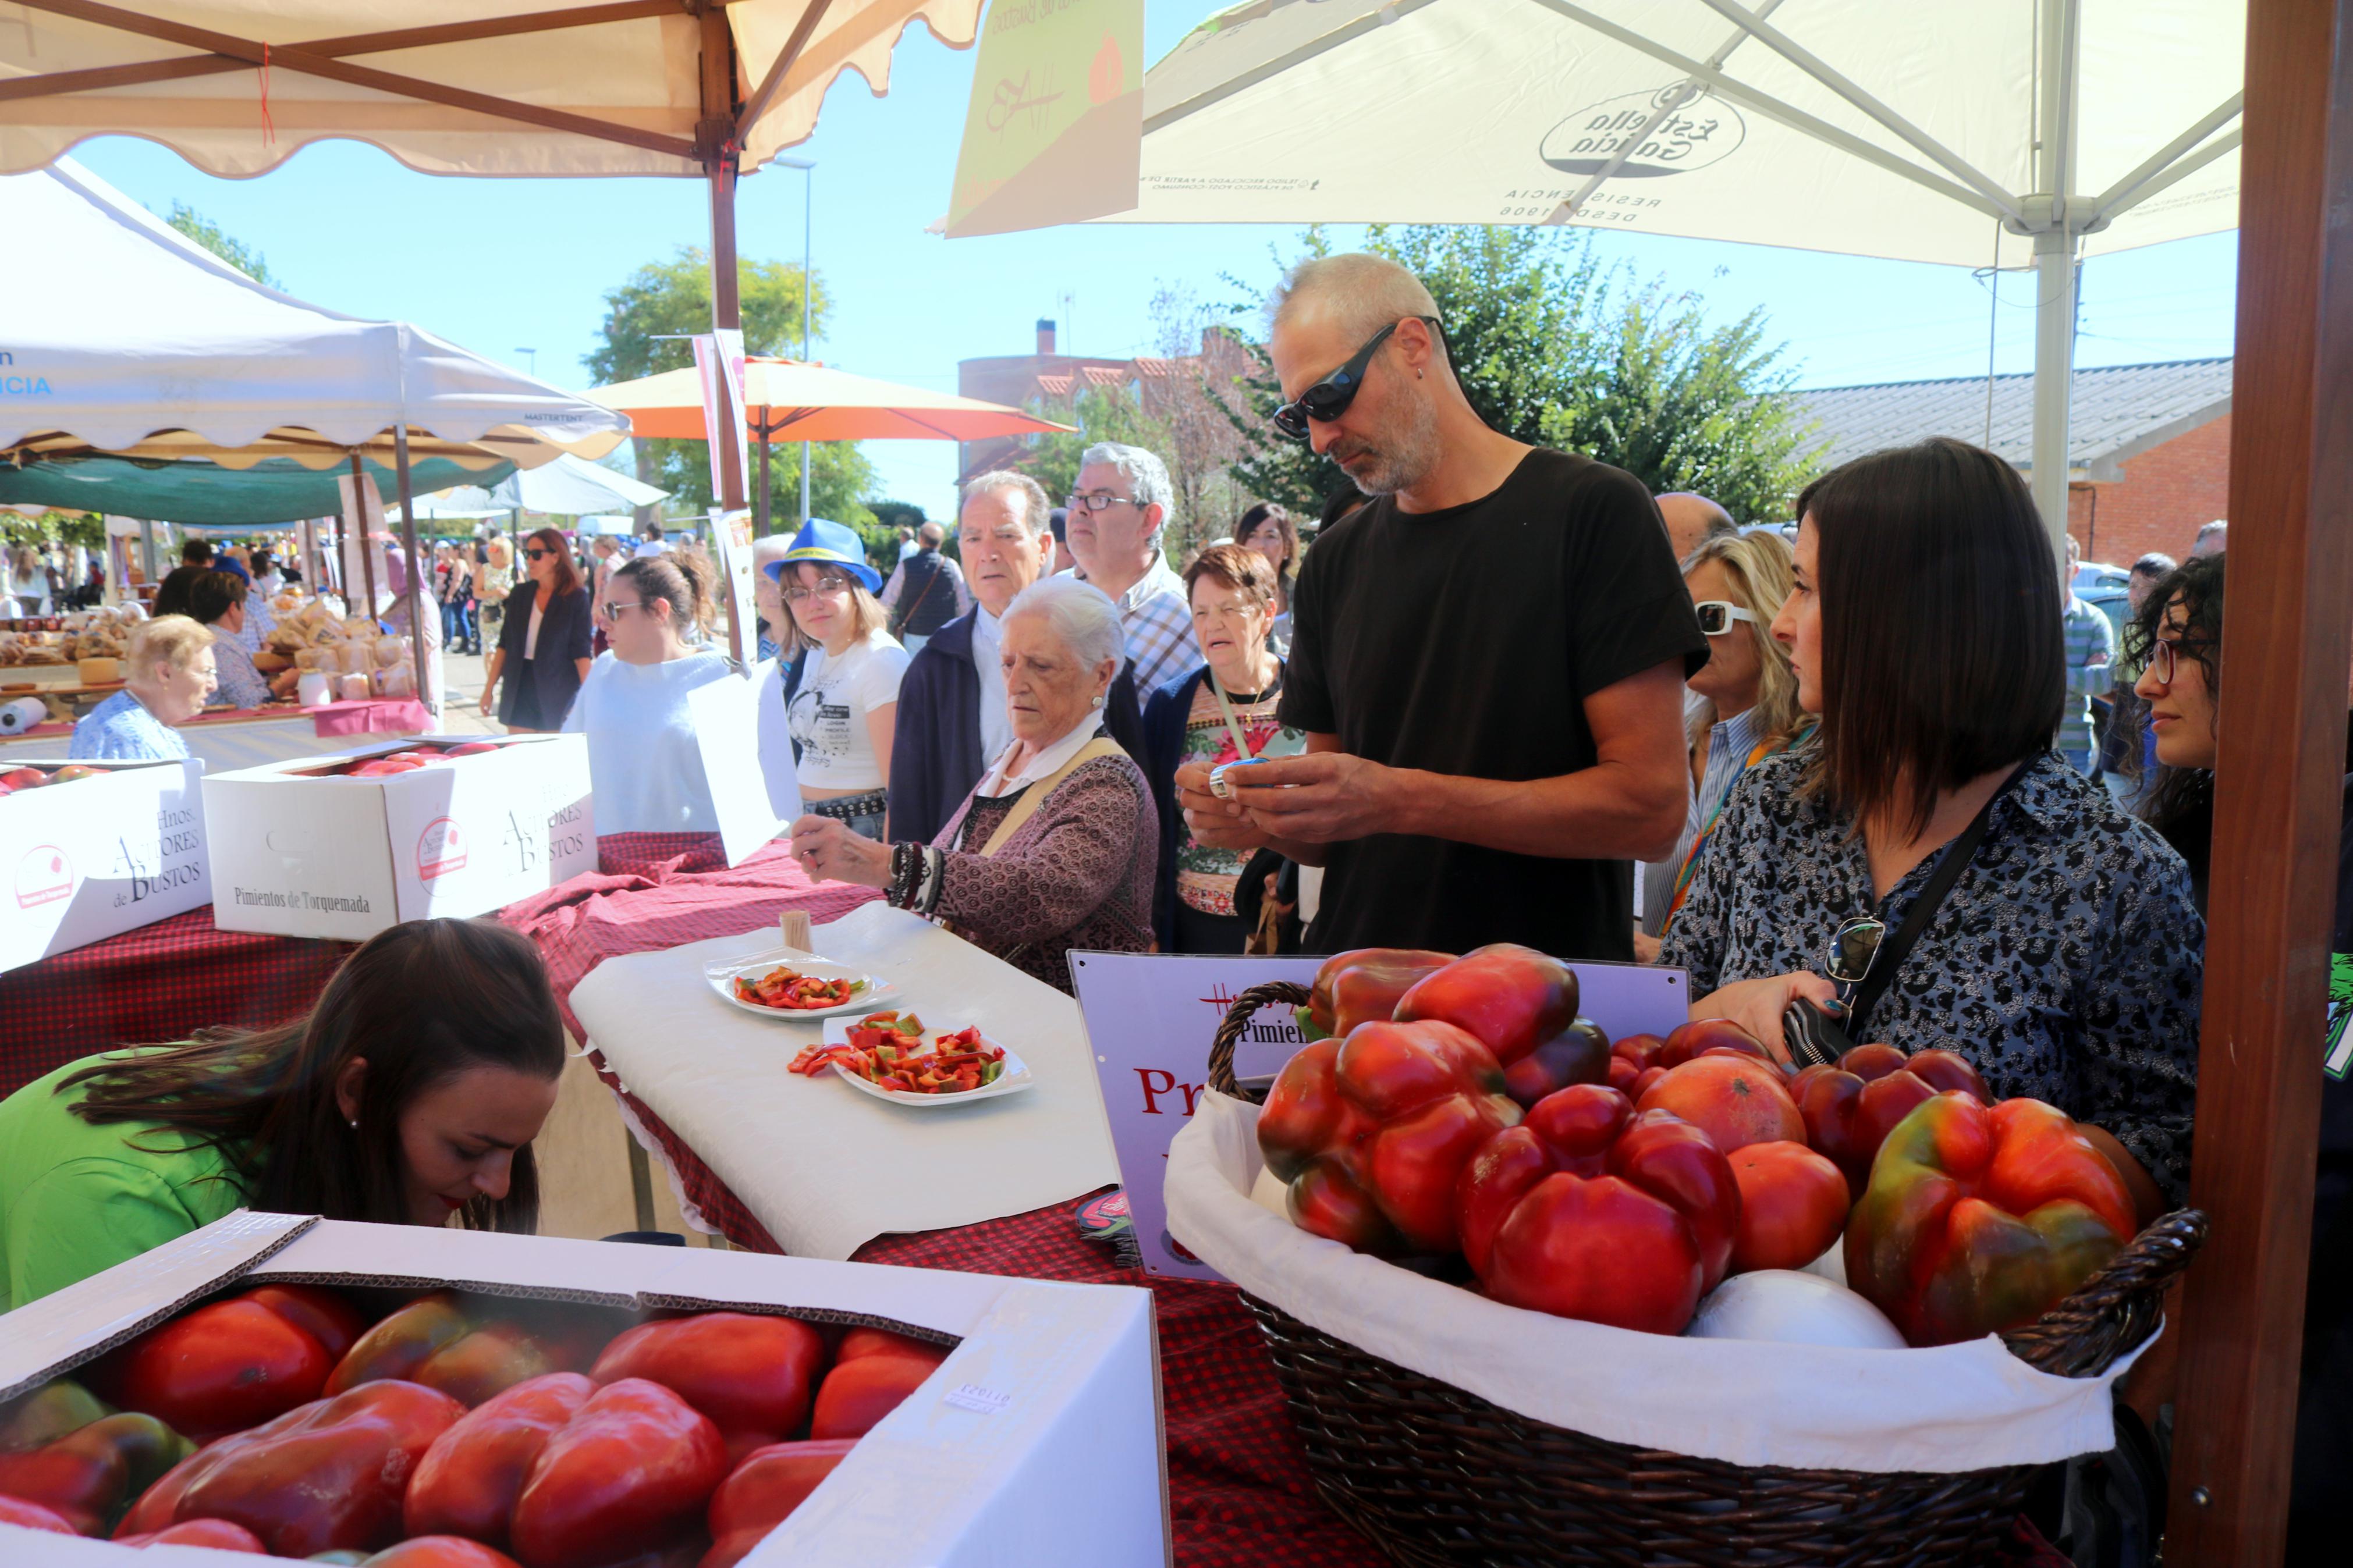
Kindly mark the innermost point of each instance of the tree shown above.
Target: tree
(1555, 348)
(207, 233)
(1100, 414)
(647, 319)
(1193, 395)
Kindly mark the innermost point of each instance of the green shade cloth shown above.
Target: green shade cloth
(276, 490)
(76, 1199)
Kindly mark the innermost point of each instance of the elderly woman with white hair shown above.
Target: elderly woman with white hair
(1056, 846)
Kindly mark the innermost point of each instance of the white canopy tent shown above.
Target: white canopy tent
(122, 336)
(564, 488)
(1963, 131)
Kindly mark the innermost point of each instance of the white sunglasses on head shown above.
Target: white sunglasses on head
(1716, 615)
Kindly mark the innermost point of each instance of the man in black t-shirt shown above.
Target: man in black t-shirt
(1488, 659)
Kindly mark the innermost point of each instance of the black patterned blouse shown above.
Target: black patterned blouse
(2064, 964)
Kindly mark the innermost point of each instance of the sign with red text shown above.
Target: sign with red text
(1150, 1018)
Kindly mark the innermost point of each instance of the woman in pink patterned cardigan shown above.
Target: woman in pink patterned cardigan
(1056, 846)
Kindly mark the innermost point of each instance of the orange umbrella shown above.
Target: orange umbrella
(792, 400)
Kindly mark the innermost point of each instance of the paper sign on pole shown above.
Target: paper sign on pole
(1150, 1018)
(727, 732)
(731, 532)
(363, 523)
(719, 366)
(1055, 131)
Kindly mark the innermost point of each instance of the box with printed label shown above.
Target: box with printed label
(346, 846)
(1027, 1430)
(93, 849)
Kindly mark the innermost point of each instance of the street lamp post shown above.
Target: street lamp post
(809, 291)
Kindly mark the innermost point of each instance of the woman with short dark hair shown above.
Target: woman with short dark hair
(409, 1095)
(1267, 528)
(2062, 956)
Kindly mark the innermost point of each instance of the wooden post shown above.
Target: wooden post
(717, 136)
(417, 572)
(765, 522)
(2277, 791)
(367, 540)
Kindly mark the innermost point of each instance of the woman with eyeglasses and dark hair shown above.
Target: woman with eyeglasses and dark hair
(543, 650)
(409, 1095)
(1928, 864)
(1266, 527)
(841, 691)
(2175, 638)
(644, 762)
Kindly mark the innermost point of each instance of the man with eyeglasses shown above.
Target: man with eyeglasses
(1117, 508)
(1488, 659)
(952, 721)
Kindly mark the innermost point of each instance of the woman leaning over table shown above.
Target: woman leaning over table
(543, 648)
(1222, 712)
(408, 1096)
(841, 692)
(1054, 849)
(167, 673)
(1749, 711)
(645, 766)
(2064, 961)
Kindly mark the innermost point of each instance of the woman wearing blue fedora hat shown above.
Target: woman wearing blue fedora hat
(841, 691)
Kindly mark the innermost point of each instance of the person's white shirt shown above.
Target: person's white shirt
(998, 781)
(988, 658)
(647, 547)
(827, 713)
(645, 766)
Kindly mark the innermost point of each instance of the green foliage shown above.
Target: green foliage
(647, 319)
(1557, 349)
(1101, 413)
(207, 233)
(83, 528)
(897, 513)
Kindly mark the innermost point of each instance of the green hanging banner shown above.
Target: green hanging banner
(1055, 133)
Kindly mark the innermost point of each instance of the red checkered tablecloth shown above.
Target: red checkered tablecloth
(161, 982)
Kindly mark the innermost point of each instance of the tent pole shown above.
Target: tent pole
(763, 501)
(146, 551)
(367, 542)
(2055, 266)
(415, 567)
(2277, 794)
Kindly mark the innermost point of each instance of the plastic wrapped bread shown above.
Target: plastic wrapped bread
(399, 680)
(353, 687)
(389, 651)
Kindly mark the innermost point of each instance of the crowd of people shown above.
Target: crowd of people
(1884, 766)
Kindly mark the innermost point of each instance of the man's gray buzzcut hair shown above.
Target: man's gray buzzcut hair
(1083, 616)
(1144, 473)
(1361, 291)
(1036, 510)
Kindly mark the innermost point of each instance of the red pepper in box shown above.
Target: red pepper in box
(1362, 987)
(439, 1551)
(93, 1474)
(1587, 1210)
(328, 1476)
(1509, 998)
(762, 1493)
(33, 1516)
(439, 1342)
(224, 1367)
(218, 1533)
(1370, 1132)
(1980, 1220)
(1638, 1062)
(752, 1374)
(630, 1472)
(1850, 1109)
(468, 1482)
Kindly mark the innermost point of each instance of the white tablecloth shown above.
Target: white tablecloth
(824, 1168)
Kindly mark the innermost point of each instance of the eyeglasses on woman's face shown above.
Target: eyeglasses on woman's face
(1716, 615)
(2165, 655)
(533, 553)
(831, 585)
(611, 610)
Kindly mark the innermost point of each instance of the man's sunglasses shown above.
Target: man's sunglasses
(1329, 398)
(1716, 615)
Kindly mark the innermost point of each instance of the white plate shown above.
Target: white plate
(1016, 1077)
(868, 990)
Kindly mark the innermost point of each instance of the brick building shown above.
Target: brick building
(2148, 445)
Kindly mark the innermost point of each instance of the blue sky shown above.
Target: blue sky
(504, 265)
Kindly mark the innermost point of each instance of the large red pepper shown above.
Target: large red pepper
(1587, 1210)
(91, 1475)
(440, 1551)
(1362, 987)
(1509, 998)
(753, 1375)
(467, 1351)
(1850, 1109)
(232, 1365)
(468, 1482)
(219, 1534)
(761, 1492)
(1977, 1220)
(857, 1393)
(1370, 1132)
(327, 1477)
(631, 1472)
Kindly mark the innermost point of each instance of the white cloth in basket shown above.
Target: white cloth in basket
(1956, 1408)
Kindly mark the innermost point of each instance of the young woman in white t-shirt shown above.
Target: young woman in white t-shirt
(843, 709)
(644, 762)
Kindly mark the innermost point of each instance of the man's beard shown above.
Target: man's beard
(1402, 456)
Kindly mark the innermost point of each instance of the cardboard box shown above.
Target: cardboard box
(297, 851)
(97, 856)
(1038, 1440)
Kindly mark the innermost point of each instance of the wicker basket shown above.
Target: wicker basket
(1438, 1477)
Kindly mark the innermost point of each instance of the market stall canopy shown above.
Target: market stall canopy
(790, 400)
(190, 490)
(125, 336)
(448, 86)
(564, 488)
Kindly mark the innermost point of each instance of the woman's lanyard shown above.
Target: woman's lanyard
(1233, 725)
(1684, 872)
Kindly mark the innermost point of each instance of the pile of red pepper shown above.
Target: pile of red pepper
(887, 1050)
(790, 991)
(456, 1432)
(1446, 1106)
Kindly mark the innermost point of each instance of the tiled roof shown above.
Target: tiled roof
(2117, 411)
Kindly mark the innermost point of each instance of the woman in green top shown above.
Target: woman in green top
(409, 1095)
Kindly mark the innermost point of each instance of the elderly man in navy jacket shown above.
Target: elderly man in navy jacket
(952, 720)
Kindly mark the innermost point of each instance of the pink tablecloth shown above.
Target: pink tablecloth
(374, 716)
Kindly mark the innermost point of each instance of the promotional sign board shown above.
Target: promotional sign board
(754, 804)
(719, 367)
(1150, 1017)
(730, 531)
(1054, 132)
(98, 855)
